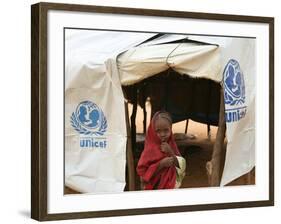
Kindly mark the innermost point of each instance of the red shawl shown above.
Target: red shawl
(150, 159)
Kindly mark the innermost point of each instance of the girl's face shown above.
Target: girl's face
(163, 129)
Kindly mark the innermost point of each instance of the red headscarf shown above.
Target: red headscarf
(151, 157)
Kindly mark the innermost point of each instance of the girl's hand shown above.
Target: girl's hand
(166, 148)
(167, 162)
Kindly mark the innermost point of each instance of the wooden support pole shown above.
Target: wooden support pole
(129, 153)
(186, 126)
(144, 118)
(208, 108)
(133, 119)
(214, 165)
(209, 131)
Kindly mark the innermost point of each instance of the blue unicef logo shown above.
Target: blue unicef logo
(234, 86)
(88, 119)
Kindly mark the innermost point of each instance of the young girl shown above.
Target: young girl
(161, 165)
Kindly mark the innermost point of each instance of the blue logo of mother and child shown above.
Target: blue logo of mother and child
(89, 121)
(234, 92)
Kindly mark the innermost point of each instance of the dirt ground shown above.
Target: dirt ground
(195, 146)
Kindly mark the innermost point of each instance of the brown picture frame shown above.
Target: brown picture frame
(39, 108)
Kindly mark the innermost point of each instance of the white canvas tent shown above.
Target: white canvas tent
(98, 63)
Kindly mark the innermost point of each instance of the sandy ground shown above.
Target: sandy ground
(196, 147)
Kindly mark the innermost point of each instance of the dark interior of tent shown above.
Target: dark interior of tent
(182, 96)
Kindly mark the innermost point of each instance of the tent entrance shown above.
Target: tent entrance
(183, 97)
